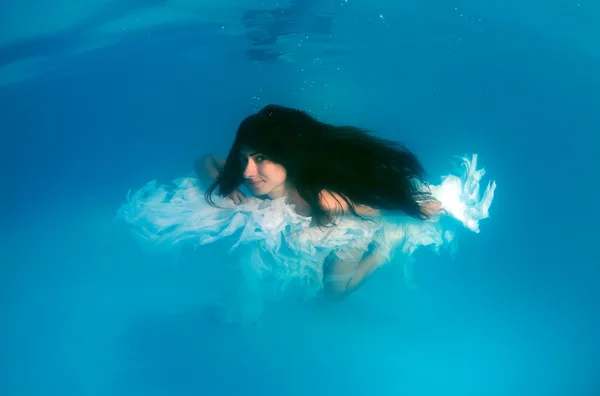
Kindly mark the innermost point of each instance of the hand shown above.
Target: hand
(237, 197)
(431, 208)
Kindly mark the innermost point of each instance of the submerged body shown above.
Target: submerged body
(317, 218)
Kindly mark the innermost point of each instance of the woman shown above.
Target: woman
(327, 205)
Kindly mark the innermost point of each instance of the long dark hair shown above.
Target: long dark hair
(352, 162)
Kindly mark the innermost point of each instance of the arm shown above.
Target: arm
(458, 197)
(335, 205)
(346, 277)
(208, 168)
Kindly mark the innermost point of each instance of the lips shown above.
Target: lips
(255, 184)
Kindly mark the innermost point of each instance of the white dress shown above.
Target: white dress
(282, 256)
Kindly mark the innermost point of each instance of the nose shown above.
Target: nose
(250, 170)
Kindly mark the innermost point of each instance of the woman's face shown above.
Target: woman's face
(263, 177)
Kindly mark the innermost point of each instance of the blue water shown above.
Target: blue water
(109, 97)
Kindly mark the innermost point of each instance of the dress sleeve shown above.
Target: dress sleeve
(460, 195)
(461, 200)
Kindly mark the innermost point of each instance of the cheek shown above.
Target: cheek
(276, 173)
(281, 175)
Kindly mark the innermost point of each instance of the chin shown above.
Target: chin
(261, 190)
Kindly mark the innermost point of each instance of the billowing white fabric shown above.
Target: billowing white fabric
(282, 249)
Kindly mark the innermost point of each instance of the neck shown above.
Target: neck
(293, 198)
(283, 190)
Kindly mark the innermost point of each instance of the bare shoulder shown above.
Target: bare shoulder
(335, 204)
